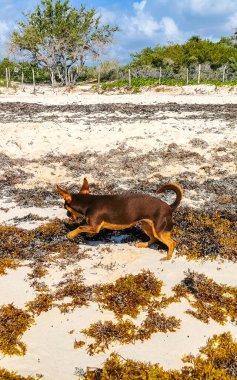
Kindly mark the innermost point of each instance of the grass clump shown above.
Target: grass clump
(137, 83)
(13, 323)
(215, 361)
(205, 236)
(211, 300)
(129, 294)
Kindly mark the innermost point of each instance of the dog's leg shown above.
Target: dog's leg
(88, 229)
(162, 234)
(165, 238)
(148, 231)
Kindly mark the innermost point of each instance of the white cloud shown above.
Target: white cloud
(139, 7)
(140, 29)
(170, 29)
(231, 23)
(142, 23)
(107, 16)
(4, 36)
(208, 7)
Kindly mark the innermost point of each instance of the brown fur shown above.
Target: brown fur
(117, 212)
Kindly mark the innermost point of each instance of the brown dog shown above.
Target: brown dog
(117, 212)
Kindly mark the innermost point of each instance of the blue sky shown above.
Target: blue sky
(142, 23)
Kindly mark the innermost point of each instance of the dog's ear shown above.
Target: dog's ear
(64, 194)
(85, 187)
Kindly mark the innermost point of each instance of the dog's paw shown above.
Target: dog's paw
(166, 258)
(141, 245)
(70, 235)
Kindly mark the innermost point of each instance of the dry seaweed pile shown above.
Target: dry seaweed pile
(209, 299)
(13, 323)
(216, 361)
(127, 112)
(7, 375)
(42, 303)
(7, 263)
(73, 286)
(129, 296)
(203, 235)
(40, 244)
(126, 332)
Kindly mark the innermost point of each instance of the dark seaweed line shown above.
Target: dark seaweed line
(100, 113)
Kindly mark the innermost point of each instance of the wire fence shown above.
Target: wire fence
(195, 74)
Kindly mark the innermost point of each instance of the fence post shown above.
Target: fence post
(22, 80)
(99, 85)
(52, 78)
(199, 73)
(187, 76)
(7, 78)
(129, 78)
(223, 76)
(33, 75)
(160, 74)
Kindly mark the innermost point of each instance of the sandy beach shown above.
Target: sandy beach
(120, 142)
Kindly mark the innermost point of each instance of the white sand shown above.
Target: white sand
(200, 94)
(49, 345)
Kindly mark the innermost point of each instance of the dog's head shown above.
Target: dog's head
(69, 200)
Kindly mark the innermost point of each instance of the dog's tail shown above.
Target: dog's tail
(178, 191)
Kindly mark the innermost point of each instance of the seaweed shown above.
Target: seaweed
(7, 263)
(13, 323)
(203, 235)
(42, 303)
(129, 294)
(126, 332)
(156, 322)
(105, 333)
(217, 358)
(39, 271)
(211, 300)
(15, 242)
(215, 361)
(7, 375)
(73, 286)
(78, 344)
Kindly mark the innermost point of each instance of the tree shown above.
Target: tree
(60, 37)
